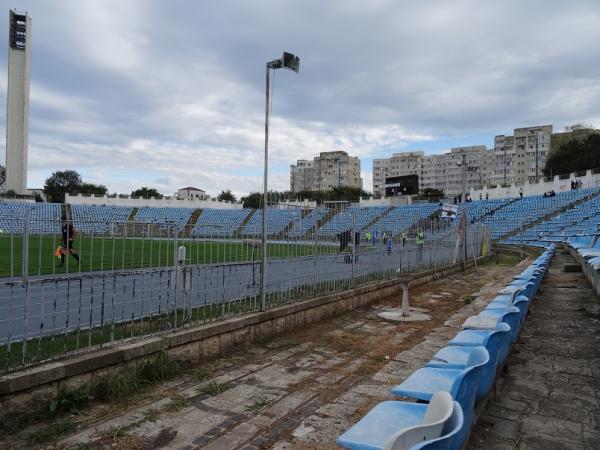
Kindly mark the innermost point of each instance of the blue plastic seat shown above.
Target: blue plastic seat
(511, 316)
(461, 383)
(460, 357)
(403, 425)
(496, 341)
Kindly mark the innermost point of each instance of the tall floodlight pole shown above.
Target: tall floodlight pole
(292, 62)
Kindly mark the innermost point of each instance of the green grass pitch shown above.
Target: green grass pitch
(103, 253)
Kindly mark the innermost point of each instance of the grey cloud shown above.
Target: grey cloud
(152, 85)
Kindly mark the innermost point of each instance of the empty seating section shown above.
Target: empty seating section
(344, 220)
(459, 376)
(303, 225)
(165, 216)
(475, 210)
(277, 221)
(44, 218)
(573, 213)
(94, 219)
(584, 218)
(219, 222)
(529, 209)
(403, 218)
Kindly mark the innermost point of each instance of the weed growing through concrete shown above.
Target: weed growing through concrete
(49, 433)
(259, 401)
(177, 403)
(211, 389)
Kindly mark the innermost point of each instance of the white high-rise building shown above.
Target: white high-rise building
(405, 163)
(443, 171)
(327, 171)
(17, 110)
(522, 156)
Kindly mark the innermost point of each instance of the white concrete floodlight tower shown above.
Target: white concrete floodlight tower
(291, 62)
(17, 101)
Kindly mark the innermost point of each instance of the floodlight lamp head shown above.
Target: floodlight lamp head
(291, 62)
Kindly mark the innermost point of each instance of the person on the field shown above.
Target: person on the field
(420, 241)
(68, 233)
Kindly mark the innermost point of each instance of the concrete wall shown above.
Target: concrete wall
(27, 389)
(138, 202)
(557, 184)
(401, 200)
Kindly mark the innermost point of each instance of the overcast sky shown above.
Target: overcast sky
(170, 94)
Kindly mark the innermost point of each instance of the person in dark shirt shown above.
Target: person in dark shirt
(68, 233)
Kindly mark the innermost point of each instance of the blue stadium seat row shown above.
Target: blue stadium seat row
(402, 218)
(458, 377)
(44, 218)
(530, 209)
(302, 225)
(219, 222)
(165, 217)
(344, 220)
(582, 219)
(93, 219)
(277, 221)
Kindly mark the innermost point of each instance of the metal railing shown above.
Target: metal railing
(138, 279)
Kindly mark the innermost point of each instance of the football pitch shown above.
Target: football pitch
(105, 253)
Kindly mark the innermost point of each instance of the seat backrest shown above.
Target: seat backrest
(438, 411)
(465, 386)
(451, 428)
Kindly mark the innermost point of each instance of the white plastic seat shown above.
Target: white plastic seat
(438, 412)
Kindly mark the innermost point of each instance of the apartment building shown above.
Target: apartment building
(302, 175)
(327, 171)
(522, 156)
(443, 171)
(405, 163)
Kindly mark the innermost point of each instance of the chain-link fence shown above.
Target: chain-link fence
(64, 289)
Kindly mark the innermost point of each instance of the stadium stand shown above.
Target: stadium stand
(95, 219)
(44, 218)
(403, 218)
(343, 220)
(277, 221)
(509, 218)
(165, 217)
(583, 218)
(219, 222)
(466, 369)
(302, 225)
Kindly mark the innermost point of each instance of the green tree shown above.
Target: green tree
(252, 200)
(574, 156)
(60, 183)
(146, 192)
(89, 188)
(226, 196)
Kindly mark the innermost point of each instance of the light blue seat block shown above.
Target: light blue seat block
(387, 418)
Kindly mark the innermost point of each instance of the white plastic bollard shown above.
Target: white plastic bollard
(181, 255)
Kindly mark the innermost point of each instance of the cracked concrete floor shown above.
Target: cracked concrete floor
(299, 390)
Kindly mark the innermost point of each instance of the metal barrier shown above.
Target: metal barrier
(137, 279)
